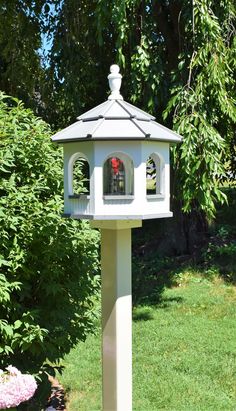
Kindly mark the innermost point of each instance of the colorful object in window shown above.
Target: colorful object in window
(116, 164)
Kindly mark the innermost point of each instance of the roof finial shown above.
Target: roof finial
(114, 79)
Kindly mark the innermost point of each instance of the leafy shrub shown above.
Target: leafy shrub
(48, 265)
(220, 254)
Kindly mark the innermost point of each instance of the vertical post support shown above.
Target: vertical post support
(116, 313)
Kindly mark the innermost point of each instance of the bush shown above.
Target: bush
(220, 253)
(48, 265)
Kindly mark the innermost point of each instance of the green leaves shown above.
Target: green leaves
(7, 287)
(48, 265)
(200, 163)
(20, 40)
(181, 61)
(204, 111)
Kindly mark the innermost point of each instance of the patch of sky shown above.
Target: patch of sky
(49, 13)
(44, 50)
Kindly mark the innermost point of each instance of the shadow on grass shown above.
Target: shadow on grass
(141, 314)
(145, 313)
(150, 277)
(216, 256)
(170, 301)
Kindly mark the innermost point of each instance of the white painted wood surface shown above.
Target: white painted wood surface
(116, 313)
(98, 206)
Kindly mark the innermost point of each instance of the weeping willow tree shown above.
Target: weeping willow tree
(178, 60)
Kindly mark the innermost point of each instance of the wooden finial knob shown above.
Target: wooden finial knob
(114, 79)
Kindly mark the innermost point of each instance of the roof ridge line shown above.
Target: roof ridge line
(138, 126)
(169, 130)
(100, 121)
(124, 108)
(91, 110)
(108, 108)
(139, 110)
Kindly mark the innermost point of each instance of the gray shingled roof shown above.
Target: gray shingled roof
(115, 119)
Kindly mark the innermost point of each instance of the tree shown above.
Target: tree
(48, 265)
(178, 59)
(21, 25)
(75, 79)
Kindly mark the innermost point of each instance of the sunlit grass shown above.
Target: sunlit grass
(184, 352)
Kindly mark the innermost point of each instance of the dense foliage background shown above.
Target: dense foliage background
(178, 62)
(48, 265)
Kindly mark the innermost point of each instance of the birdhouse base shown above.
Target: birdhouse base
(118, 217)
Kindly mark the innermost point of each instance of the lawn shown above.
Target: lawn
(184, 352)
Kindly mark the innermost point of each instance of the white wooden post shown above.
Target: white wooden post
(116, 313)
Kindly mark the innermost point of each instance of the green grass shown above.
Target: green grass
(184, 352)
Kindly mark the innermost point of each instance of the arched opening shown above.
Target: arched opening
(80, 177)
(118, 175)
(154, 175)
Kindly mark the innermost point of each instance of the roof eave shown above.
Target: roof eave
(90, 138)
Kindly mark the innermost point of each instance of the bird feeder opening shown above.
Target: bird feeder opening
(79, 176)
(118, 176)
(154, 176)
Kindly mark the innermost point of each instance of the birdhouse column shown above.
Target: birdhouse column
(116, 313)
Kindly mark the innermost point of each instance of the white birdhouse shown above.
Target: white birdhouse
(124, 157)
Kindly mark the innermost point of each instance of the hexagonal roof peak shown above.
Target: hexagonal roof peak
(115, 119)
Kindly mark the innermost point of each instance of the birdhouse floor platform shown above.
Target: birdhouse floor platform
(118, 217)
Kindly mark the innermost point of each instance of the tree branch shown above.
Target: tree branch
(167, 18)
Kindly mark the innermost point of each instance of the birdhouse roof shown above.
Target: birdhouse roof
(115, 119)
